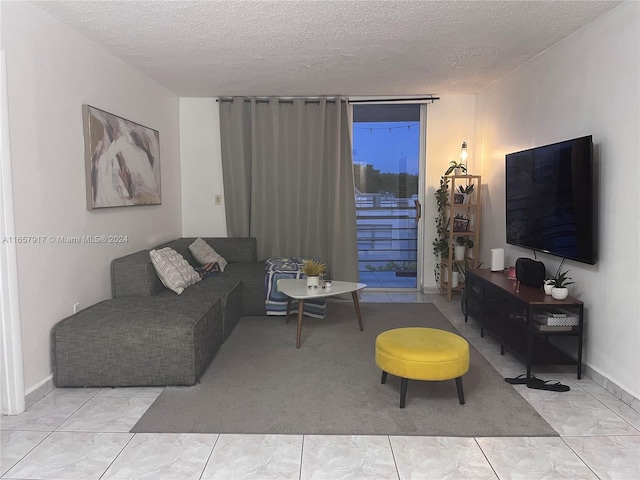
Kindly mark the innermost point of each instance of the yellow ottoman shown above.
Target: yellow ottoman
(419, 353)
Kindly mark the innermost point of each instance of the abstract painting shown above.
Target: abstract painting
(122, 161)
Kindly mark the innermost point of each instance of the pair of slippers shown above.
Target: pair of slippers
(538, 384)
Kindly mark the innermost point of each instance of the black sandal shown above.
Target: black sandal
(520, 379)
(552, 385)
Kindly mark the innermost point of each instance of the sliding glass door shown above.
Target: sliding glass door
(387, 148)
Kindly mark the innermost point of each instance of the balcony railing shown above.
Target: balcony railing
(387, 239)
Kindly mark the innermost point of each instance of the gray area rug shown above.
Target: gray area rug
(260, 383)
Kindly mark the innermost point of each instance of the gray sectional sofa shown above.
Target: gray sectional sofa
(147, 335)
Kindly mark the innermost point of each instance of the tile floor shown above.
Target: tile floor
(83, 434)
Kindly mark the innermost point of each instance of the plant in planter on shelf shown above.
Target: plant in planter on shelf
(461, 246)
(466, 190)
(456, 167)
(463, 193)
(313, 270)
(548, 285)
(559, 291)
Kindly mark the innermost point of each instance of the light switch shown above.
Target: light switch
(218, 199)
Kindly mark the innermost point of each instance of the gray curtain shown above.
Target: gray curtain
(288, 179)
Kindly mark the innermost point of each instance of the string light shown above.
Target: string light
(390, 129)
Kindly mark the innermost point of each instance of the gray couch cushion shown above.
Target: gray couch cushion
(252, 275)
(135, 341)
(134, 275)
(226, 290)
(232, 249)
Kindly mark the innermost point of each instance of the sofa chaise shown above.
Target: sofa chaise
(147, 335)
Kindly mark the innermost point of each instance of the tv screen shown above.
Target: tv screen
(550, 199)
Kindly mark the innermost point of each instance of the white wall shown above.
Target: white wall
(450, 121)
(586, 85)
(51, 72)
(201, 167)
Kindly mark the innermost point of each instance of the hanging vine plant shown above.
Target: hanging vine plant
(441, 242)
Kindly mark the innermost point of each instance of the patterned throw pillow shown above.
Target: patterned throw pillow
(204, 254)
(174, 271)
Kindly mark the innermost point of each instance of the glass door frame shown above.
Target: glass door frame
(422, 164)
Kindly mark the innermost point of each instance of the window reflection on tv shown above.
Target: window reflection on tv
(550, 199)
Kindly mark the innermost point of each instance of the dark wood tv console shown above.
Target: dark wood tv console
(509, 309)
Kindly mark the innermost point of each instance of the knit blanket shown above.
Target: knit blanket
(276, 302)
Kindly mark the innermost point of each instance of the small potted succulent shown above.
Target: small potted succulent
(313, 270)
(559, 291)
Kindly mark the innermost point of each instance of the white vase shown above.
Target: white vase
(313, 282)
(454, 279)
(559, 293)
(548, 286)
(459, 250)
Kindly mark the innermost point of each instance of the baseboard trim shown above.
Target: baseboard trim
(600, 378)
(39, 391)
(612, 387)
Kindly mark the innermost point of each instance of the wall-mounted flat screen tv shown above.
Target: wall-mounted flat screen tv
(550, 203)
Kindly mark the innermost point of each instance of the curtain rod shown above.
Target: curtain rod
(429, 98)
(266, 100)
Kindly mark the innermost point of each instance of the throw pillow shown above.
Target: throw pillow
(174, 271)
(204, 253)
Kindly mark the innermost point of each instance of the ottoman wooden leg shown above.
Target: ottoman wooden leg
(384, 377)
(403, 391)
(460, 391)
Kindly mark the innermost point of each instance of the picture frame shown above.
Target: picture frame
(460, 224)
(122, 161)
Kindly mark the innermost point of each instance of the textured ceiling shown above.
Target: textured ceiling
(291, 48)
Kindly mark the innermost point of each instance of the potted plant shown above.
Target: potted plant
(441, 242)
(456, 168)
(464, 193)
(548, 286)
(460, 248)
(455, 279)
(559, 291)
(313, 270)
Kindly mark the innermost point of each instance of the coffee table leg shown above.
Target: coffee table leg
(288, 310)
(300, 313)
(357, 305)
